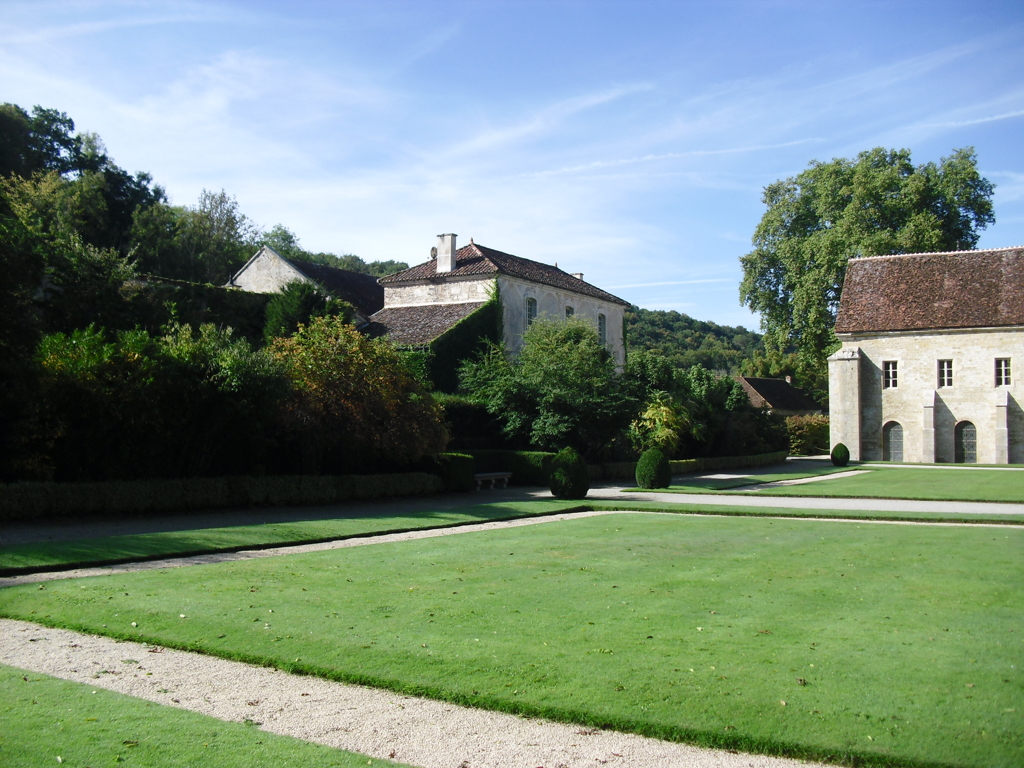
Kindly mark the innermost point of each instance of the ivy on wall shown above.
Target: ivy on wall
(467, 338)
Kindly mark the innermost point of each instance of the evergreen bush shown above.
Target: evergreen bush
(653, 470)
(456, 471)
(840, 455)
(570, 478)
(527, 467)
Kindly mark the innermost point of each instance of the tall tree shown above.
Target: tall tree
(879, 203)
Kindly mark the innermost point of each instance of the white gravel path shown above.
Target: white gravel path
(376, 723)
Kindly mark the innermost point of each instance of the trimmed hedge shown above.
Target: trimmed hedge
(653, 470)
(569, 476)
(24, 501)
(456, 471)
(840, 455)
(527, 467)
(626, 470)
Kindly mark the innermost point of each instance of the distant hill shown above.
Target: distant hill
(686, 342)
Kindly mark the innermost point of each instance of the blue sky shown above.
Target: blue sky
(629, 141)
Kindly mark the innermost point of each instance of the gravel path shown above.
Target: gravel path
(377, 723)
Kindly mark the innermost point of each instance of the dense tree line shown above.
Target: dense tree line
(686, 342)
(563, 390)
(101, 381)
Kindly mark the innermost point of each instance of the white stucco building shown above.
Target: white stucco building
(931, 357)
(423, 302)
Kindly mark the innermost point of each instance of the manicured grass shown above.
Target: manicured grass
(695, 484)
(151, 546)
(41, 556)
(893, 645)
(925, 484)
(43, 719)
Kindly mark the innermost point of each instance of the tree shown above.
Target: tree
(879, 203)
(562, 390)
(296, 305)
(355, 405)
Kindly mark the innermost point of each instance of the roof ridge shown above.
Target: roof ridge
(939, 253)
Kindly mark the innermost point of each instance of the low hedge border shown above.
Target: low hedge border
(26, 501)
(534, 467)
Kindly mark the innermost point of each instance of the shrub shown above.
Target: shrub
(808, 435)
(570, 478)
(653, 470)
(840, 455)
(456, 471)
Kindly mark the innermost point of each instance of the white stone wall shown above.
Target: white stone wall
(267, 272)
(929, 413)
(453, 290)
(551, 303)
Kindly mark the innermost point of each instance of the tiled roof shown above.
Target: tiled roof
(421, 324)
(363, 292)
(922, 291)
(776, 393)
(476, 259)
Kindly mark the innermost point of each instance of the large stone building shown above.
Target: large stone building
(932, 349)
(425, 301)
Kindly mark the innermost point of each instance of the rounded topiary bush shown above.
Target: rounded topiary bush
(653, 470)
(570, 478)
(840, 455)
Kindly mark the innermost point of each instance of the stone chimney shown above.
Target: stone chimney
(578, 275)
(445, 253)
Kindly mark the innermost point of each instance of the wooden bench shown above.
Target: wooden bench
(493, 477)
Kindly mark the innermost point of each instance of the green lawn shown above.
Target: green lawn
(696, 484)
(878, 482)
(26, 558)
(925, 484)
(890, 644)
(43, 720)
(151, 546)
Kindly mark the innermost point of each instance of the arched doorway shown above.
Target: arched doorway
(965, 443)
(892, 442)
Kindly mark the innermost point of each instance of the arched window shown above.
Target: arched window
(965, 443)
(892, 442)
(531, 312)
(602, 329)
(569, 312)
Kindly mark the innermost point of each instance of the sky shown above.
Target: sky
(630, 141)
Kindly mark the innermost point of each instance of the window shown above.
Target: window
(602, 329)
(531, 312)
(889, 374)
(1002, 371)
(945, 373)
(569, 312)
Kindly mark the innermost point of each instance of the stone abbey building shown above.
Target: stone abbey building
(931, 358)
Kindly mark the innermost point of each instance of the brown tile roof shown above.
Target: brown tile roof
(921, 291)
(476, 259)
(778, 394)
(363, 292)
(421, 324)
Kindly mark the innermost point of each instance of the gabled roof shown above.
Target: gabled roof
(777, 394)
(363, 292)
(421, 324)
(925, 291)
(476, 259)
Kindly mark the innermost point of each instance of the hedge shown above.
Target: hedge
(527, 467)
(533, 467)
(23, 501)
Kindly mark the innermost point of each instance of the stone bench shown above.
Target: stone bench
(493, 477)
